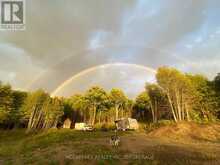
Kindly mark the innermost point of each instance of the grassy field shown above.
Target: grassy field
(66, 147)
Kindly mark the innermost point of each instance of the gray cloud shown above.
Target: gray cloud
(64, 38)
(56, 28)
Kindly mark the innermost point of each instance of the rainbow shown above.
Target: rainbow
(68, 81)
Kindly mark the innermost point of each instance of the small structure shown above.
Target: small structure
(127, 124)
(67, 123)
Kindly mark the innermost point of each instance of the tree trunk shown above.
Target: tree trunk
(152, 110)
(187, 113)
(178, 105)
(94, 115)
(155, 111)
(181, 105)
(116, 112)
(31, 117)
(84, 118)
(122, 112)
(171, 106)
(100, 114)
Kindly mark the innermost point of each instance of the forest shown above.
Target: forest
(175, 96)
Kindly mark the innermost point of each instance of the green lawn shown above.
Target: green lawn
(53, 147)
(63, 147)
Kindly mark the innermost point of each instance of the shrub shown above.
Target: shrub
(110, 126)
(98, 126)
(105, 126)
(164, 122)
(151, 126)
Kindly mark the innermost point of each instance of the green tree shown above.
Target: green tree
(142, 105)
(80, 104)
(41, 111)
(156, 99)
(118, 100)
(32, 109)
(6, 103)
(216, 83)
(129, 108)
(18, 100)
(179, 91)
(95, 97)
(34, 101)
(53, 110)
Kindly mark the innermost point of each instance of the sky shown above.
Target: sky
(65, 38)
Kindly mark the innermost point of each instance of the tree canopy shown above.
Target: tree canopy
(175, 96)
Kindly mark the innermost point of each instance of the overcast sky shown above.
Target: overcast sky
(63, 38)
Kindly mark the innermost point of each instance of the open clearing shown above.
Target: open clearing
(174, 144)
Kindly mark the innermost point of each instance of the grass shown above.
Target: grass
(17, 147)
(66, 147)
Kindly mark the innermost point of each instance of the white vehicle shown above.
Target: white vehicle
(83, 127)
(88, 128)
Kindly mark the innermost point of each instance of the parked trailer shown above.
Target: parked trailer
(127, 124)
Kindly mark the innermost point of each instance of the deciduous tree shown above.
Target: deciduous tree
(118, 100)
(95, 97)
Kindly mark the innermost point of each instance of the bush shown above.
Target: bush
(200, 118)
(151, 126)
(164, 122)
(105, 126)
(98, 126)
(110, 126)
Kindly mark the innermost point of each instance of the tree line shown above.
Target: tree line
(174, 96)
